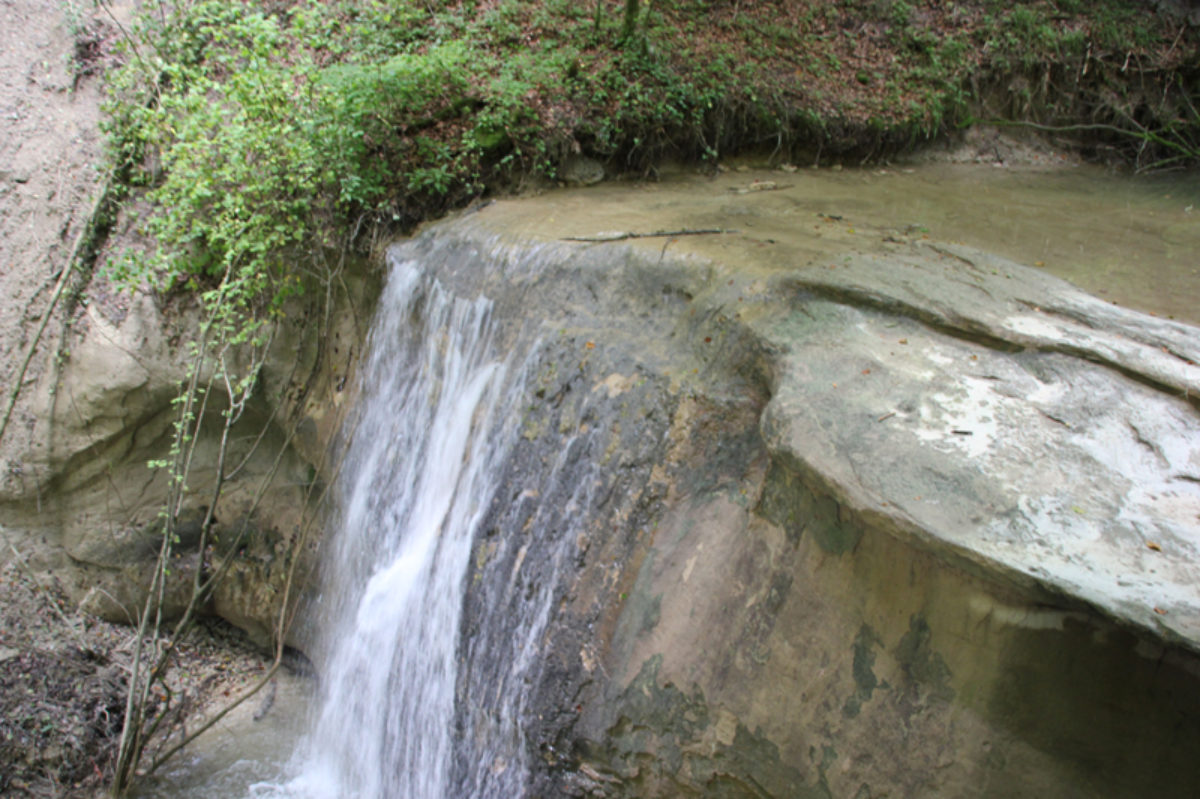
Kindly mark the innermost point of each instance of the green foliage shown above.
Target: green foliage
(629, 21)
(264, 132)
(254, 154)
(900, 13)
(362, 109)
(1024, 35)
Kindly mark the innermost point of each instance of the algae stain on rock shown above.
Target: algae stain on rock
(653, 724)
(643, 607)
(790, 503)
(863, 670)
(667, 742)
(921, 663)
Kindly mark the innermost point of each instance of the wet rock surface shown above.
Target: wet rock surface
(921, 524)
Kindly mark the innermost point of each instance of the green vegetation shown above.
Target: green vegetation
(263, 130)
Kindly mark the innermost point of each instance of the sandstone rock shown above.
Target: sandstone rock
(85, 486)
(921, 524)
(1003, 417)
(918, 525)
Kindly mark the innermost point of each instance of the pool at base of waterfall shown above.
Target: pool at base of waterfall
(246, 753)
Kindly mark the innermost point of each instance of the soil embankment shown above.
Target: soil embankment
(60, 699)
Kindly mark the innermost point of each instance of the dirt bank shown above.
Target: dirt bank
(62, 678)
(59, 698)
(51, 155)
(61, 672)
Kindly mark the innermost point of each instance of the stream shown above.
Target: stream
(439, 407)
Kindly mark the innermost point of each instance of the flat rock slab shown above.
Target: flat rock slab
(986, 297)
(1001, 416)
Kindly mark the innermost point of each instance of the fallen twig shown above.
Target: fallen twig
(655, 234)
(758, 185)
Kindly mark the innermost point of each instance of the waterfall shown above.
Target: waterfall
(431, 430)
(456, 468)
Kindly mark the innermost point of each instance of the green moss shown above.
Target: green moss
(792, 505)
(921, 663)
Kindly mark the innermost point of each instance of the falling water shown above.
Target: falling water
(429, 435)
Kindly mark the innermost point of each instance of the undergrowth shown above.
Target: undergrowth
(266, 134)
(264, 131)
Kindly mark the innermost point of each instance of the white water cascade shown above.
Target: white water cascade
(416, 482)
(442, 571)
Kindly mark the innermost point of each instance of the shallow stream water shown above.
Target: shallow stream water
(1133, 241)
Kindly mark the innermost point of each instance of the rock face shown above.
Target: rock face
(993, 416)
(581, 171)
(925, 524)
(80, 491)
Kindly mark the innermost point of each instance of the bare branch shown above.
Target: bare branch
(657, 234)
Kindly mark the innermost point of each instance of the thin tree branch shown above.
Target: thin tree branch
(654, 235)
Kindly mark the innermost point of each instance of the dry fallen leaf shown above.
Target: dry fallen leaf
(1154, 546)
(1160, 611)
